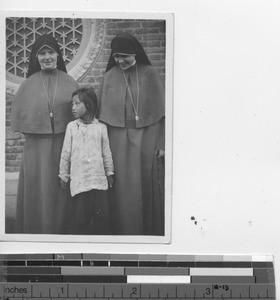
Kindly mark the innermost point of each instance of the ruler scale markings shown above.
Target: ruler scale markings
(249, 291)
(113, 290)
(89, 290)
(263, 287)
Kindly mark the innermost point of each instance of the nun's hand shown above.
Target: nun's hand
(160, 153)
(110, 179)
(64, 184)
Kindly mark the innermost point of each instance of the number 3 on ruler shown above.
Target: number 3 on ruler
(208, 291)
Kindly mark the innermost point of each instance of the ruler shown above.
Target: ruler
(133, 276)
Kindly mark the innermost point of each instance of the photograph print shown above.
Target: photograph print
(86, 129)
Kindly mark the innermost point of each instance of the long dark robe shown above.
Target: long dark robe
(137, 205)
(41, 203)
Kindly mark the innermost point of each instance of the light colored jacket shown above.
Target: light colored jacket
(86, 157)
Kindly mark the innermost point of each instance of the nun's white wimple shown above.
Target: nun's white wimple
(45, 46)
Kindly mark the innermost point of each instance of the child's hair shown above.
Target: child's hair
(89, 98)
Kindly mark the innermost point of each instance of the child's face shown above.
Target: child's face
(78, 108)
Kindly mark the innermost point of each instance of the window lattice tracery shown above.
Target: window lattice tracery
(22, 32)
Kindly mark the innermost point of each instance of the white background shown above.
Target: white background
(226, 155)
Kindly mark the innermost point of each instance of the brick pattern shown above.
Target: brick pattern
(14, 142)
(150, 33)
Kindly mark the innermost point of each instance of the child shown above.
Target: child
(86, 162)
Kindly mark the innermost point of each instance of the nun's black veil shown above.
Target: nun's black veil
(119, 41)
(44, 40)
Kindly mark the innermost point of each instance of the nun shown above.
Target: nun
(40, 111)
(132, 104)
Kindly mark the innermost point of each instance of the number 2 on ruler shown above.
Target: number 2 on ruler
(134, 291)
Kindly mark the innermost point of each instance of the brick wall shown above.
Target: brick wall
(14, 141)
(150, 33)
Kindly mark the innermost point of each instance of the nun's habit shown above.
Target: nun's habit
(132, 104)
(41, 110)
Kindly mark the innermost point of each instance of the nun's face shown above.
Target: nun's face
(124, 61)
(47, 58)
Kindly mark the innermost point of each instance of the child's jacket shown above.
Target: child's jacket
(86, 157)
